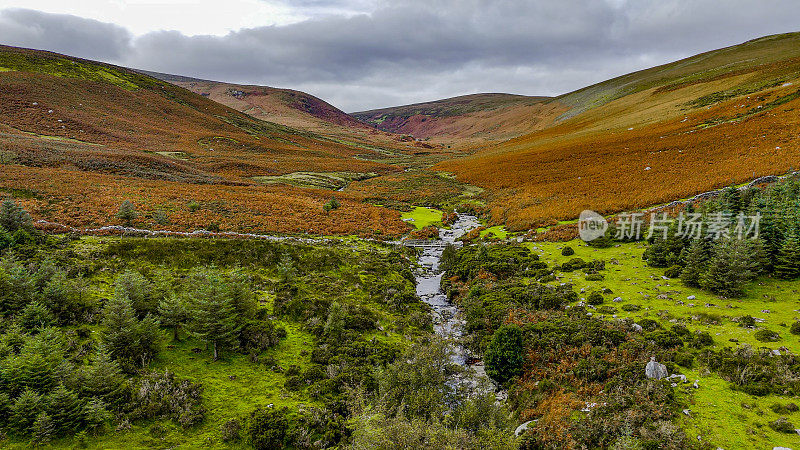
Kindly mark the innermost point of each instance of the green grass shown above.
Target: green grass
(718, 414)
(22, 61)
(422, 217)
(498, 231)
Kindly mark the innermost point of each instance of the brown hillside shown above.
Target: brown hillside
(719, 118)
(78, 137)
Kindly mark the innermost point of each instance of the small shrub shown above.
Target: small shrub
(160, 217)
(649, 324)
(504, 354)
(193, 206)
(702, 339)
(268, 428)
(332, 204)
(594, 277)
(684, 359)
(127, 212)
(782, 425)
(230, 430)
(795, 329)
(767, 336)
(631, 307)
(595, 298)
(567, 251)
(749, 322)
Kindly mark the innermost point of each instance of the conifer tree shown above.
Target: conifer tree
(130, 341)
(214, 318)
(174, 314)
(695, 258)
(24, 411)
(43, 429)
(735, 262)
(65, 410)
(103, 378)
(787, 261)
(13, 217)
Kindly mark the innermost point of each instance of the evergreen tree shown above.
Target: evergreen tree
(665, 252)
(734, 263)
(695, 259)
(787, 261)
(731, 200)
(127, 213)
(35, 316)
(95, 415)
(24, 411)
(43, 429)
(103, 378)
(130, 341)
(174, 314)
(138, 290)
(214, 318)
(65, 410)
(13, 217)
(334, 327)
(771, 237)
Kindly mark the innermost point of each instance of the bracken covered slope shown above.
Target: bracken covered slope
(78, 137)
(715, 119)
(292, 108)
(475, 118)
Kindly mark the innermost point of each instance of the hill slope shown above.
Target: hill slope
(78, 137)
(289, 107)
(715, 119)
(470, 118)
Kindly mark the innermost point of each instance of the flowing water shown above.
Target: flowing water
(446, 317)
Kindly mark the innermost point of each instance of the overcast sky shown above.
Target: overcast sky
(363, 54)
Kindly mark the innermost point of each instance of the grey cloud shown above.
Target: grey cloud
(416, 50)
(61, 33)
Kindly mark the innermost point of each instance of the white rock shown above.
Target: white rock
(691, 297)
(521, 429)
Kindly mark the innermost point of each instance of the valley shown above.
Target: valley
(187, 263)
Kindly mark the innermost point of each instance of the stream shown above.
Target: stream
(446, 316)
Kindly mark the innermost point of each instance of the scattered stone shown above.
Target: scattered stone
(617, 299)
(687, 412)
(636, 327)
(776, 353)
(676, 376)
(691, 297)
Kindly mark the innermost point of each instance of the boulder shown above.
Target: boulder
(655, 370)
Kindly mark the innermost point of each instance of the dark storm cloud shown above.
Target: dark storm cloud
(414, 50)
(64, 34)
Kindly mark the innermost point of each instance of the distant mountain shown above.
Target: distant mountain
(286, 107)
(473, 118)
